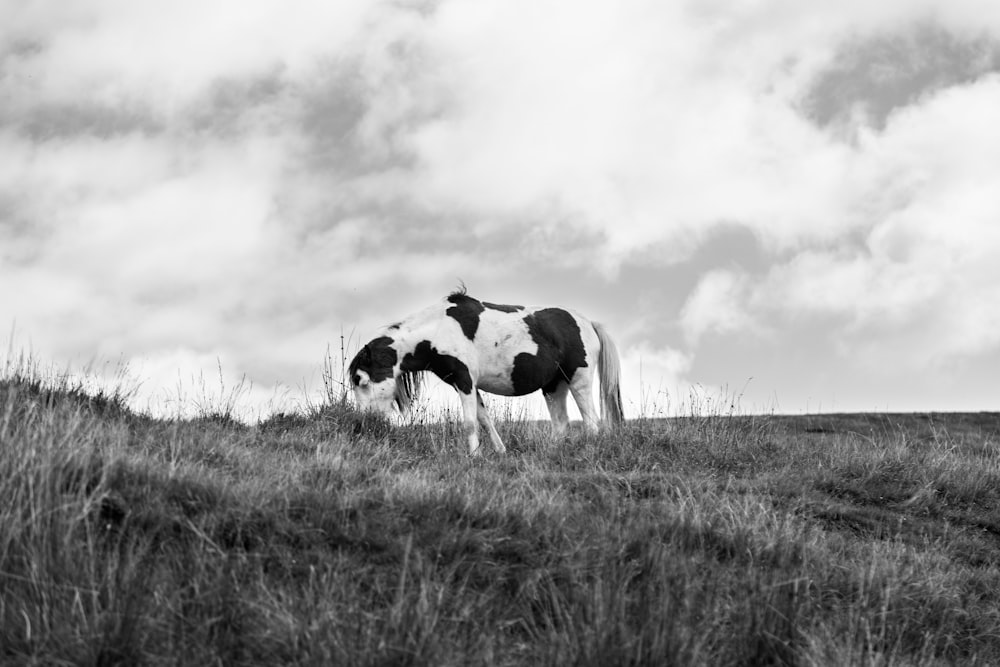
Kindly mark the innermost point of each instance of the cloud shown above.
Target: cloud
(113, 50)
(872, 77)
(694, 118)
(904, 277)
(924, 271)
(636, 130)
(717, 306)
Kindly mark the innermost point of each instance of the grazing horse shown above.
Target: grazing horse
(506, 350)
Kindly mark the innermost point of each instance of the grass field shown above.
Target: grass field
(329, 538)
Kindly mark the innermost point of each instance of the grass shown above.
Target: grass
(336, 538)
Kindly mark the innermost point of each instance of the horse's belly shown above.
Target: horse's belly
(496, 383)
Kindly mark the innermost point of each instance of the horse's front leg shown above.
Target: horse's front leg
(487, 423)
(470, 409)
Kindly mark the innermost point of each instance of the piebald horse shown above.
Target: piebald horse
(474, 345)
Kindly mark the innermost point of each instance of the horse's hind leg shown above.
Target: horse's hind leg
(556, 402)
(583, 394)
(484, 418)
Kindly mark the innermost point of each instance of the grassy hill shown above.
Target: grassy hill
(330, 538)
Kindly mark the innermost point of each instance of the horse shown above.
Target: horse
(475, 345)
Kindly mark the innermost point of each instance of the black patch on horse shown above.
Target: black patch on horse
(502, 308)
(451, 370)
(560, 352)
(466, 312)
(376, 358)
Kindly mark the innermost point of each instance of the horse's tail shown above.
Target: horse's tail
(609, 370)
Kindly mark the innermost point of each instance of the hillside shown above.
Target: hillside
(331, 538)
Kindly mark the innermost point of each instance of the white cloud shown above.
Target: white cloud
(718, 305)
(926, 270)
(647, 123)
(114, 50)
(910, 276)
(642, 124)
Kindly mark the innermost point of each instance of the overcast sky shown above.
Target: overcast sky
(799, 201)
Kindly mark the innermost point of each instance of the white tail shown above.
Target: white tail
(609, 370)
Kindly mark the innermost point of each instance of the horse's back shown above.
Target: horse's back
(535, 347)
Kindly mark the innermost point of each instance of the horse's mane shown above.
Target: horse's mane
(407, 389)
(460, 290)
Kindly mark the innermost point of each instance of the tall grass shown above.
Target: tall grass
(331, 537)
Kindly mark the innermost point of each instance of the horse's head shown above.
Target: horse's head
(373, 375)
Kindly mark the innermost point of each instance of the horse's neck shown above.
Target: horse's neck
(412, 331)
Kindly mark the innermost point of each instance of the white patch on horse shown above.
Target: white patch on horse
(501, 337)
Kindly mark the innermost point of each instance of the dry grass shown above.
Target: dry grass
(335, 538)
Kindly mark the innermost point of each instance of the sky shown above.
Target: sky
(790, 204)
